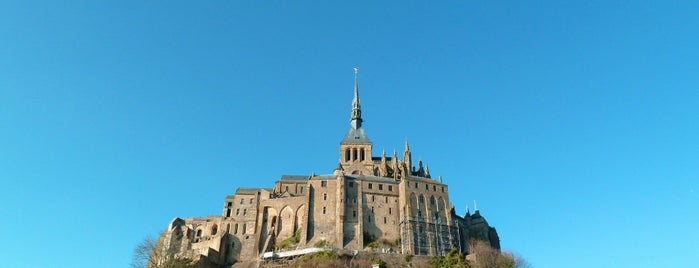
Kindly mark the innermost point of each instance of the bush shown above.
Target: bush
(322, 244)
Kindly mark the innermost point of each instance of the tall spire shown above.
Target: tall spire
(356, 119)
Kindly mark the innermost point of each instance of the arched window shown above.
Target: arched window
(199, 233)
(214, 229)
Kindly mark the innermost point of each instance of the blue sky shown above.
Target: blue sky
(572, 124)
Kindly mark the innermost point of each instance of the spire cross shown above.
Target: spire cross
(356, 119)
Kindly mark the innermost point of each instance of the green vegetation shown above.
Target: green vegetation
(319, 259)
(322, 244)
(409, 258)
(453, 259)
(379, 261)
(291, 242)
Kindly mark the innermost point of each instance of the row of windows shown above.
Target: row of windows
(354, 154)
(235, 229)
(242, 201)
(427, 187)
(373, 199)
(371, 186)
(286, 188)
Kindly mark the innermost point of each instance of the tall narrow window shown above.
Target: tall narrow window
(251, 199)
(323, 210)
(354, 154)
(372, 198)
(389, 211)
(361, 154)
(386, 199)
(347, 155)
(325, 196)
(384, 220)
(245, 212)
(228, 212)
(244, 228)
(241, 201)
(380, 186)
(237, 211)
(434, 188)
(354, 213)
(442, 189)
(235, 229)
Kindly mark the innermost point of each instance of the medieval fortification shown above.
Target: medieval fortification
(368, 202)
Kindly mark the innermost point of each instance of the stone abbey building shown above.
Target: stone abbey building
(368, 202)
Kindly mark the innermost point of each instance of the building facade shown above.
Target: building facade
(367, 203)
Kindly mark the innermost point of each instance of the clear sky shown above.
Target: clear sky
(573, 124)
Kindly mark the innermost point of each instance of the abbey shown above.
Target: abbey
(368, 202)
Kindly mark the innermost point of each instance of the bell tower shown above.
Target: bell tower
(355, 148)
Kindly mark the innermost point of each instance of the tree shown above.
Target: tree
(147, 255)
(484, 256)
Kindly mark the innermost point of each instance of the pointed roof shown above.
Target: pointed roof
(356, 133)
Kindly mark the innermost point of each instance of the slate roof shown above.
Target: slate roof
(356, 135)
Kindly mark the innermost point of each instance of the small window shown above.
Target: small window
(372, 198)
(386, 199)
(354, 213)
(427, 187)
(351, 184)
(241, 201)
(235, 229)
(251, 200)
(323, 183)
(245, 212)
(301, 189)
(380, 187)
(372, 209)
(434, 188)
(384, 220)
(286, 188)
(230, 204)
(389, 211)
(390, 188)
(371, 186)
(323, 210)
(199, 233)
(214, 229)
(416, 185)
(244, 228)
(237, 211)
(442, 189)
(325, 196)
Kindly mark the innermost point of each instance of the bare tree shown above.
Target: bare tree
(142, 252)
(147, 255)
